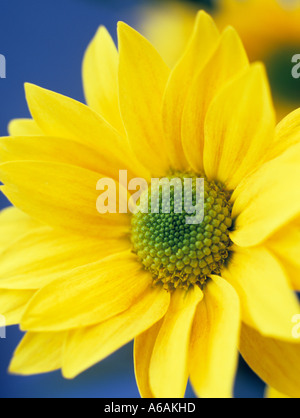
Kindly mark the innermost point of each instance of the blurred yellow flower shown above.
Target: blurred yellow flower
(168, 26)
(82, 284)
(269, 29)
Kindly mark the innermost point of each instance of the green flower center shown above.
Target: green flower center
(182, 248)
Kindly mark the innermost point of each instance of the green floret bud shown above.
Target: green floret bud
(178, 254)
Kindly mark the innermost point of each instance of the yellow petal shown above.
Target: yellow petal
(286, 134)
(85, 347)
(87, 295)
(239, 127)
(38, 353)
(13, 303)
(60, 150)
(60, 195)
(13, 224)
(276, 362)
(214, 341)
(228, 59)
(23, 127)
(198, 51)
(267, 200)
(143, 348)
(286, 245)
(100, 78)
(44, 255)
(63, 117)
(168, 367)
(268, 304)
(142, 79)
(272, 393)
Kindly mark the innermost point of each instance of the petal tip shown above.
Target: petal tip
(122, 26)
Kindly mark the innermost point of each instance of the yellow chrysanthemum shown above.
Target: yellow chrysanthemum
(83, 284)
(269, 29)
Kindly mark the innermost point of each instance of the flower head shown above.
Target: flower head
(83, 283)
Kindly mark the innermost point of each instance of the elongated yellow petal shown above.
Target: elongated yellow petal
(228, 59)
(13, 303)
(87, 295)
(62, 150)
(286, 245)
(61, 116)
(13, 224)
(143, 348)
(44, 255)
(85, 347)
(142, 79)
(38, 353)
(276, 362)
(198, 51)
(286, 134)
(272, 393)
(214, 341)
(53, 149)
(168, 367)
(267, 200)
(23, 127)
(239, 128)
(60, 195)
(100, 78)
(268, 304)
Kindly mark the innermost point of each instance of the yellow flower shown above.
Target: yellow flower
(269, 29)
(264, 26)
(82, 284)
(168, 25)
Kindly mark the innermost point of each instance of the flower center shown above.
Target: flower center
(177, 249)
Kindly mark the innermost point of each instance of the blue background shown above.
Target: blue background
(44, 42)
